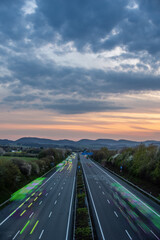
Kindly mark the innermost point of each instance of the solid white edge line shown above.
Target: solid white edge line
(41, 234)
(154, 234)
(70, 208)
(40, 202)
(94, 206)
(15, 235)
(128, 235)
(126, 189)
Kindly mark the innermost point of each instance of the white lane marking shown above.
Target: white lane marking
(154, 234)
(59, 194)
(31, 215)
(55, 202)
(61, 187)
(27, 198)
(40, 203)
(128, 235)
(15, 235)
(70, 208)
(41, 234)
(64, 183)
(94, 206)
(54, 184)
(116, 214)
(50, 188)
(127, 190)
(103, 193)
(99, 186)
(46, 194)
(108, 201)
(50, 214)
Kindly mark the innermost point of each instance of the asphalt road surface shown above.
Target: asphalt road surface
(119, 211)
(47, 213)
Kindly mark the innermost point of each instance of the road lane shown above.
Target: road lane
(121, 211)
(48, 213)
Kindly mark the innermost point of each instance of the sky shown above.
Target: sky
(80, 69)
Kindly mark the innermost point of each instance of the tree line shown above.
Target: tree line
(141, 162)
(17, 172)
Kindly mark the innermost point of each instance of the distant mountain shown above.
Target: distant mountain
(6, 142)
(83, 143)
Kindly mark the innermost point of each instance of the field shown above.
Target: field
(8, 158)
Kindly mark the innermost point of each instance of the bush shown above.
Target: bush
(81, 200)
(83, 233)
(82, 217)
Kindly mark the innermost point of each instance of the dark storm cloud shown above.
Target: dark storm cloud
(87, 22)
(83, 21)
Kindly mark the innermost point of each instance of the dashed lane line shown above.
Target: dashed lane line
(31, 215)
(41, 234)
(128, 234)
(116, 214)
(50, 214)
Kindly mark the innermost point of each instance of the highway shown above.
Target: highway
(47, 213)
(119, 211)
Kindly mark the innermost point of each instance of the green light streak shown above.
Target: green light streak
(22, 212)
(28, 189)
(34, 227)
(24, 227)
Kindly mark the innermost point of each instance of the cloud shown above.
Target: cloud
(82, 106)
(87, 23)
(71, 56)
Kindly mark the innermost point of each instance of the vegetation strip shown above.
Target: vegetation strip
(83, 224)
